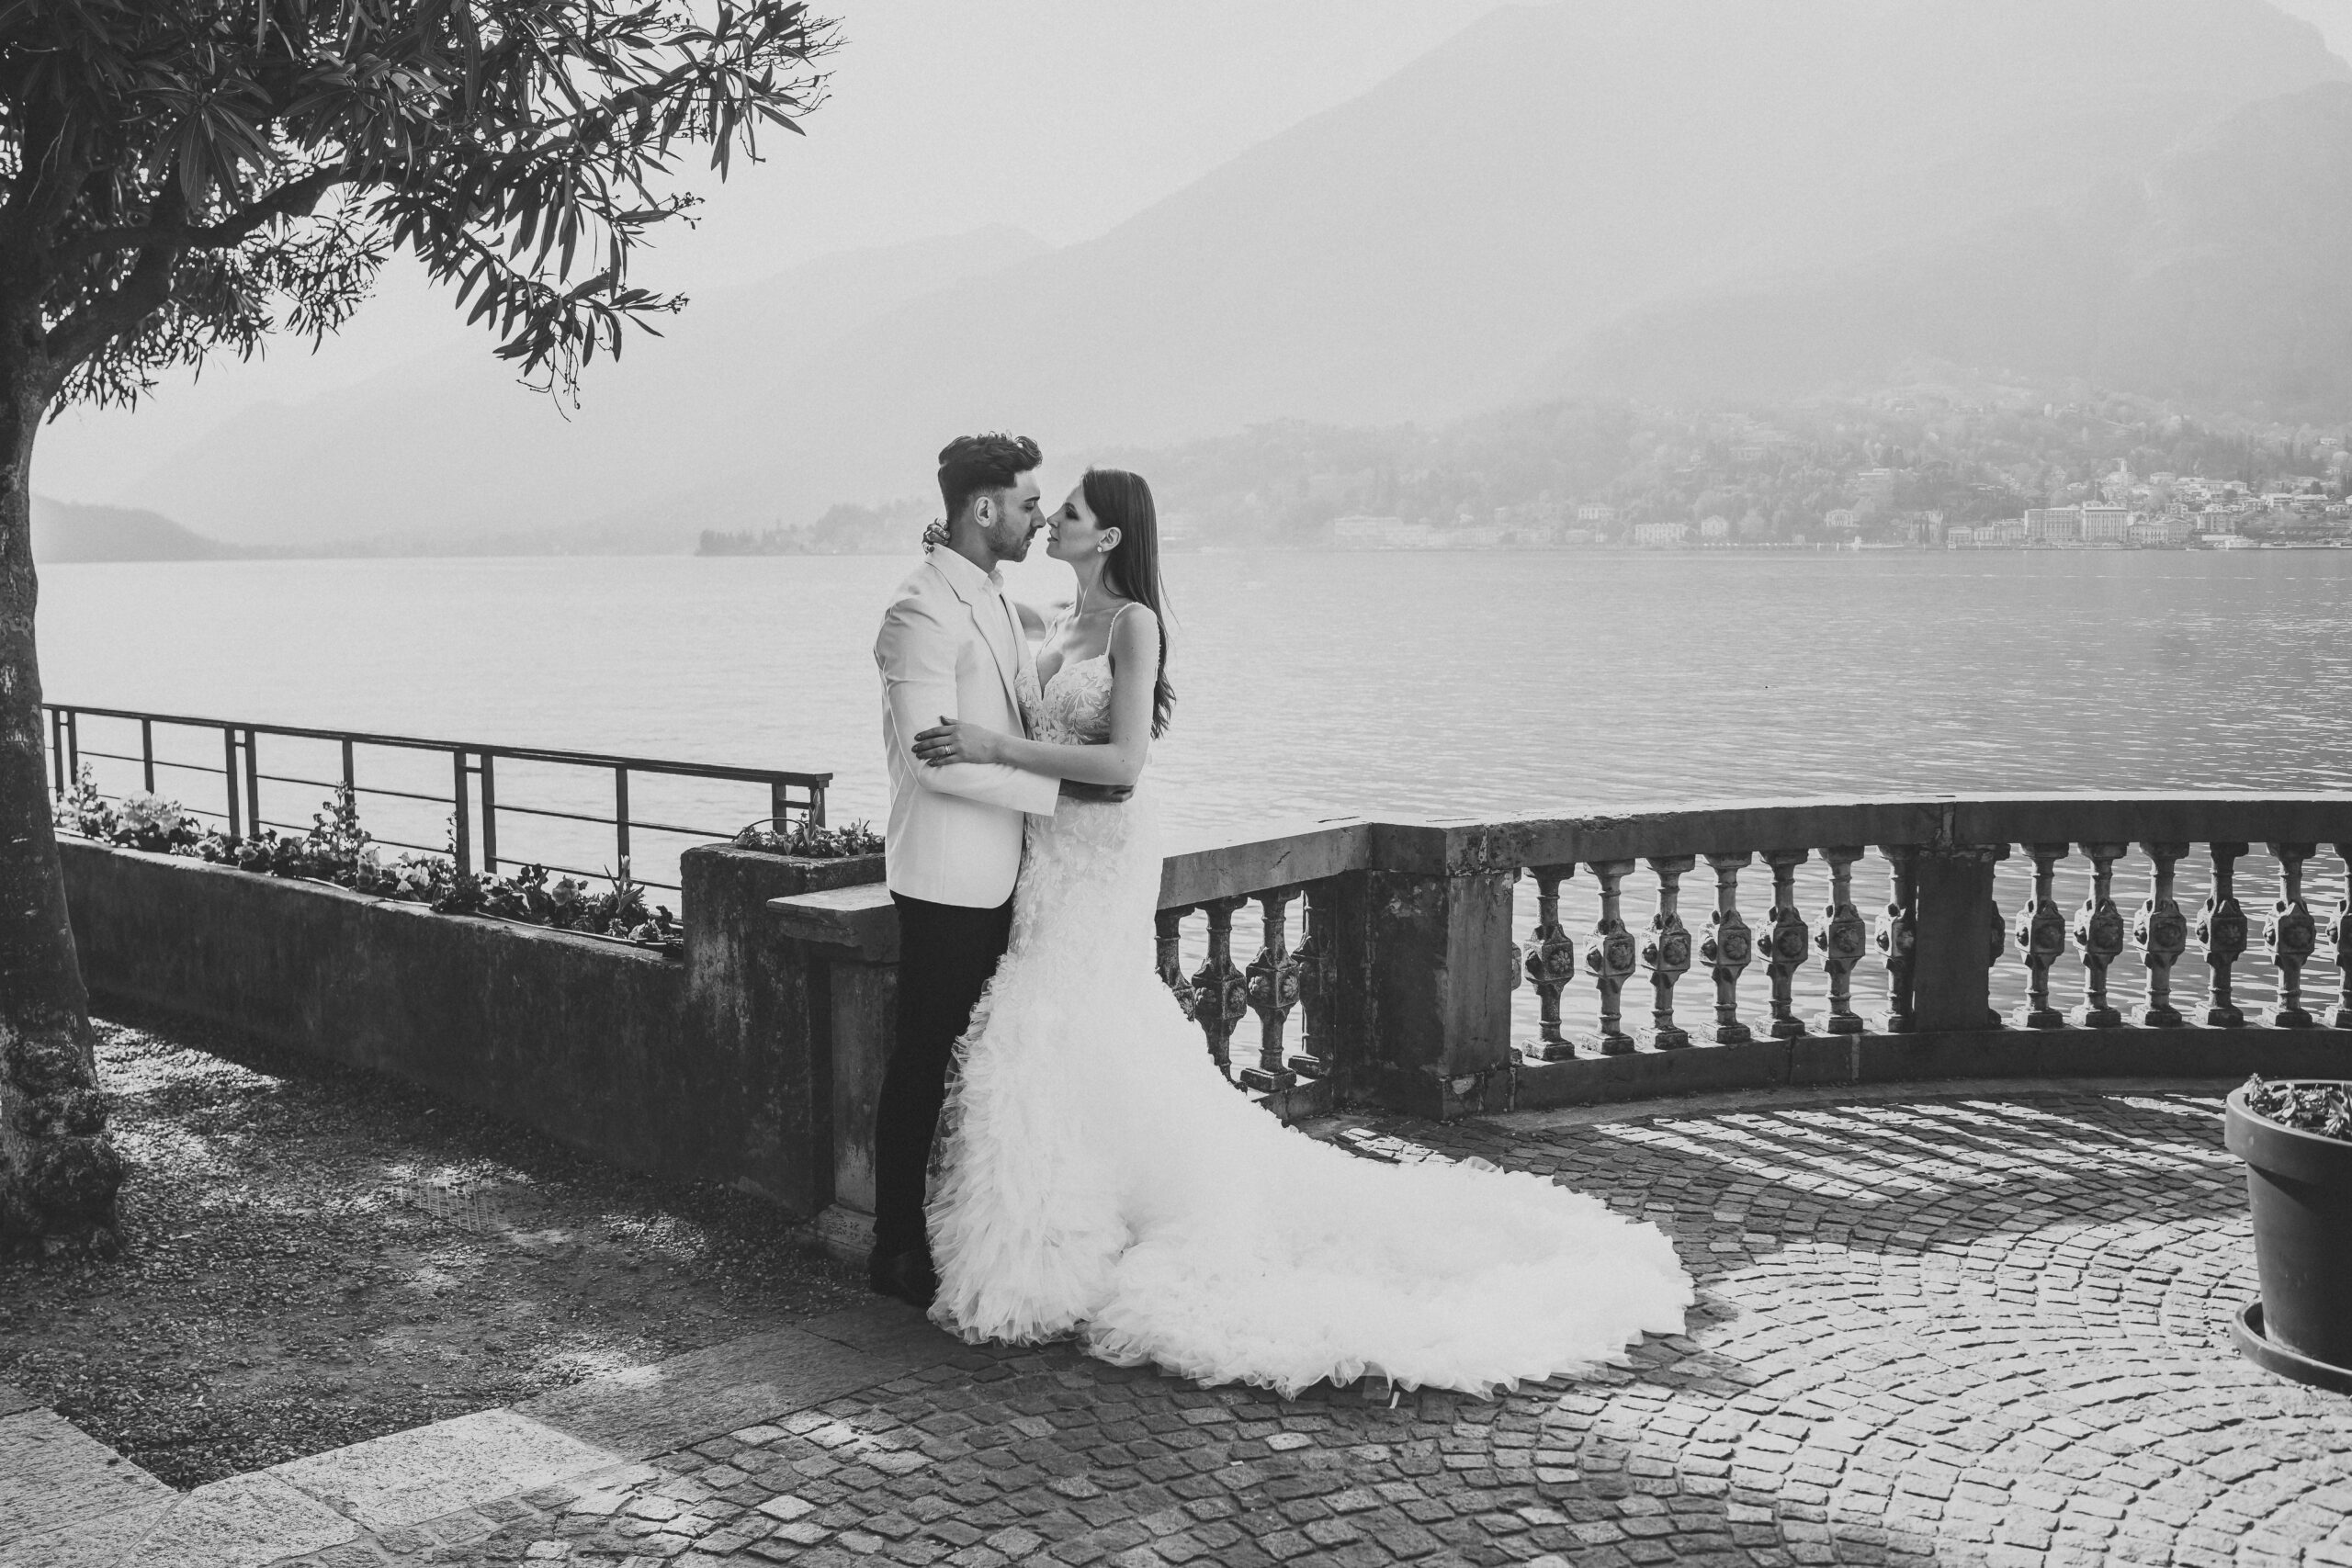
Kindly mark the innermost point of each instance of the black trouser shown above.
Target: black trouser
(946, 953)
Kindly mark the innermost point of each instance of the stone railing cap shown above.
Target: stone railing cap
(861, 919)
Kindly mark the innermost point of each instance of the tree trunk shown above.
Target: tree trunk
(57, 1168)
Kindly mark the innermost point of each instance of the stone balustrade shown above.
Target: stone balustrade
(1393, 965)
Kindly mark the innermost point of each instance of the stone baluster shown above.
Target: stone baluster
(1667, 955)
(2292, 936)
(1169, 924)
(1318, 989)
(1898, 935)
(2099, 932)
(1787, 942)
(1728, 948)
(2042, 937)
(2340, 933)
(1221, 991)
(1610, 955)
(1997, 939)
(2160, 932)
(1842, 938)
(1272, 985)
(1551, 963)
(2220, 927)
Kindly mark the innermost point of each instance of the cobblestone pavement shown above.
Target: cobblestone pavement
(1961, 1330)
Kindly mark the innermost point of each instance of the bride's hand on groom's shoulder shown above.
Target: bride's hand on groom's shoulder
(954, 740)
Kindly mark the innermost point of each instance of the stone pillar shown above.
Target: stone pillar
(1439, 966)
(1729, 947)
(1220, 990)
(2099, 933)
(1667, 955)
(1274, 978)
(844, 943)
(1956, 923)
(1841, 938)
(757, 1065)
(2292, 936)
(1550, 964)
(2161, 932)
(1611, 952)
(1898, 937)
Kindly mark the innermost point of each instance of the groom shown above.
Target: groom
(952, 647)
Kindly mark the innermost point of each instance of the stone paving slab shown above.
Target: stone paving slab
(246, 1521)
(645, 1410)
(407, 1477)
(1966, 1328)
(53, 1474)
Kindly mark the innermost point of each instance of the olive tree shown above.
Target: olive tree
(185, 177)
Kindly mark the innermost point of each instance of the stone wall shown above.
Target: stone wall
(698, 1068)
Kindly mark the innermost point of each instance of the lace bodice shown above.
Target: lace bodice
(1074, 707)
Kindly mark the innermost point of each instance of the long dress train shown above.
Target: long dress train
(1096, 1176)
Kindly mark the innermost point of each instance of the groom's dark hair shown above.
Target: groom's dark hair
(971, 464)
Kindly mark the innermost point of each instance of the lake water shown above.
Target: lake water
(1308, 684)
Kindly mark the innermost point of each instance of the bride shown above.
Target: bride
(1096, 1175)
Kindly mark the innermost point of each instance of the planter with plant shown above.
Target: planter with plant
(820, 858)
(2296, 1140)
(339, 851)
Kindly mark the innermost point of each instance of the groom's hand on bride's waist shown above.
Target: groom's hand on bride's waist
(1112, 794)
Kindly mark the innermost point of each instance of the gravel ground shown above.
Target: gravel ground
(318, 1256)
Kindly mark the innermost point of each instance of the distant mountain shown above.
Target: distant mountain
(66, 531)
(1424, 250)
(1428, 250)
(450, 454)
(2223, 277)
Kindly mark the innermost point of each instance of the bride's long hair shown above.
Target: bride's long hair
(1121, 500)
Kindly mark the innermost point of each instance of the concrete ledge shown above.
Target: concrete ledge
(860, 921)
(1284, 857)
(2129, 1052)
(862, 924)
(1640, 830)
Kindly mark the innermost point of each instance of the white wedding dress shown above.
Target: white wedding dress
(1096, 1176)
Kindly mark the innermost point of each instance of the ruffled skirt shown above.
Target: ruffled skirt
(1096, 1177)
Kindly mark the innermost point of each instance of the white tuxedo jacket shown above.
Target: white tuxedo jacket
(950, 648)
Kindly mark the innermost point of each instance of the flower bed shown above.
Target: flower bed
(338, 851)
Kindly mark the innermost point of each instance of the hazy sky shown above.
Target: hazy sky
(1062, 117)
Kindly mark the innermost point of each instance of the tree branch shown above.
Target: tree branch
(295, 198)
(87, 330)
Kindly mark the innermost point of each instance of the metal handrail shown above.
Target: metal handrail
(473, 782)
(420, 743)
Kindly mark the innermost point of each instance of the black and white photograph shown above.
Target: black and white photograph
(1275, 784)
